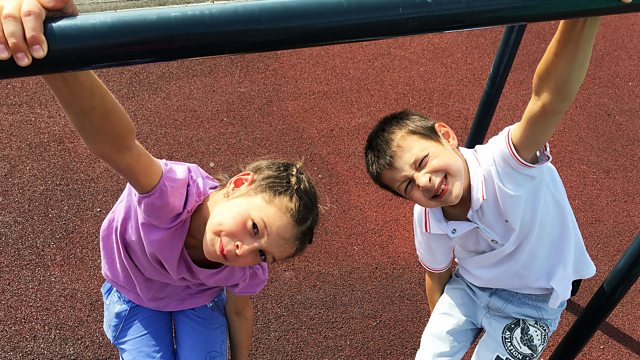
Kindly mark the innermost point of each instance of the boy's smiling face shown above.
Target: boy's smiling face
(429, 173)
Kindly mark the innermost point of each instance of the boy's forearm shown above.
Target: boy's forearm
(433, 295)
(564, 65)
(91, 108)
(434, 286)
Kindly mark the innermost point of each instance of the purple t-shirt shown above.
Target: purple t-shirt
(142, 245)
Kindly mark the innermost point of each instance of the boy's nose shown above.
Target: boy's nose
(423, 180)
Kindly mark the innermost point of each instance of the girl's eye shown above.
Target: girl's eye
(263, 255)
(255, 228)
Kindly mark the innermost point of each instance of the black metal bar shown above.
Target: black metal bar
(109, 39)
(506, 54)
(621, 278)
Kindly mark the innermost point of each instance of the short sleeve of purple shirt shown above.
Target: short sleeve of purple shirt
(142, 245)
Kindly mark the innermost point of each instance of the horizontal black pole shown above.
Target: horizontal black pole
(108, 39)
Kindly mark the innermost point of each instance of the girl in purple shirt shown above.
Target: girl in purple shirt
(181, 251)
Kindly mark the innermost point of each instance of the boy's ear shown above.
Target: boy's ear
(241, 181)
(447, 135)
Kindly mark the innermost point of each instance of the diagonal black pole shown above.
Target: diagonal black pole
(619, 281)
(108, 39)
(507, 51)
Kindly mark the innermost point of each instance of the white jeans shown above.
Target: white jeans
(516, 326)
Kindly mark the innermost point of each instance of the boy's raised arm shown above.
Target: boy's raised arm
(556, 82)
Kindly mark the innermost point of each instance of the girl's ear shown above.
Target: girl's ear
(241, 181)
(447, 135)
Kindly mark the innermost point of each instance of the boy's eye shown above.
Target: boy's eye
(255, 228)
(263, 255)
(423, 161)
(407, 187)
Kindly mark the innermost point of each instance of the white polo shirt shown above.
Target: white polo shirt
(522, 235)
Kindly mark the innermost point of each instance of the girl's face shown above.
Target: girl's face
(246, 229)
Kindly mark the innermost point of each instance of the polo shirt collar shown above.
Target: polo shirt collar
(478, 190)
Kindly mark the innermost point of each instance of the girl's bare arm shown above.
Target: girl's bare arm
(240, 318)
(105, 127)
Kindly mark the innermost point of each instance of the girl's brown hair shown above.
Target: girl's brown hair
(287, 183)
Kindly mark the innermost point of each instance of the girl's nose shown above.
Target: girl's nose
(245, 247)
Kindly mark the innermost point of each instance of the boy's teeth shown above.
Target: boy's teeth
(440, 190)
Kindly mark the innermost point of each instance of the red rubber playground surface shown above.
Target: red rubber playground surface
(358, 292)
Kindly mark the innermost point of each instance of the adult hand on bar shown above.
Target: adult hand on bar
(21, 27)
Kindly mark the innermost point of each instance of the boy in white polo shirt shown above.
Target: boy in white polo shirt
(499, 210)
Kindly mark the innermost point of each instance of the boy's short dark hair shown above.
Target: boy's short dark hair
(381, 142)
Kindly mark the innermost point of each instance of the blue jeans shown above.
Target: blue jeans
(516, 326)
(140, 333)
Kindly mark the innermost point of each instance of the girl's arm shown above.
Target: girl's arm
(97, 116)
(240, 319)
(434, 285)
(21, 27)
(105, 127)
